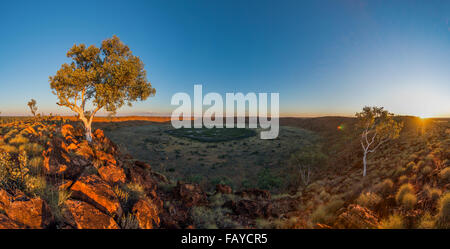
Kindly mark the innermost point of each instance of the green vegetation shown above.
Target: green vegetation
(213, 134)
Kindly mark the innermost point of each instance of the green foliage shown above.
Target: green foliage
(266, 180)
(377, 126)
(109, 77)
(394, 221)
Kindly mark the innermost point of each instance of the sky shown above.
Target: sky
(322, 57)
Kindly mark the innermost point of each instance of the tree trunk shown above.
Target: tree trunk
(88, 133)
(87, 129)
(365, 163)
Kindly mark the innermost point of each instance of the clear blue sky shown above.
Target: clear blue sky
(323, 57)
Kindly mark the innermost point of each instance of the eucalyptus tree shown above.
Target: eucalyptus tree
(100, 78)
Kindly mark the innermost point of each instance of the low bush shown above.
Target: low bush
(404, 189)
(394, 221)
(444, 175)
(443, 217)
(368, 199)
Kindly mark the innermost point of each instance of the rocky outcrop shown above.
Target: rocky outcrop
(223, 189)
(93, 190)
(24, 211)
(356, 217)
(190, 194)
(112, 174)
(82, 215)
(147, 214)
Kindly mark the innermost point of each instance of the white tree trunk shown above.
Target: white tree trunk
(365, 163)
(88, 130)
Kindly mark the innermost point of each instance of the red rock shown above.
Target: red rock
(146, 212)
(105, 157)
(112, 174)
(67, 130)
(85, 216)
(190, 194)
(356, 217)
(7, 223)
(93, 190)
(32, 213)
(99, 134)
(223, 189)
(143, 165)
(143, 178)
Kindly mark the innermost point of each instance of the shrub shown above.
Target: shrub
(404, 189)
(326, 213)
(427, 221)
(403, 179)
(36, 164)
(208, 218)
(410, 166)
(409, 200)
(19, 139)
(426, 170)
(432, 193)
(129, 222)
(9, 148)
(445, 175)
(392, 222)
(35, 185)
(33, 149)
(384, 187)
(443, 218)
(368, 200)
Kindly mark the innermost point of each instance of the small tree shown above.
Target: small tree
(378, 127)
(305, 160)
(33, 107)
(106, 77)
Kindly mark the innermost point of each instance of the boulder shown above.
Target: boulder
(105, 157)
(31, 213)
(356, 217)
(67, 130)
(58, 162)
(190, 194)
(95, 191)
(143, 165)
(223, 189)
(112, 174)
(82, 215)
(7, 223)
(144, 178)
(146, 212)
